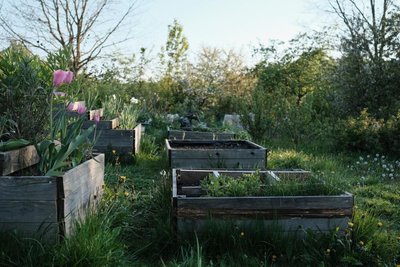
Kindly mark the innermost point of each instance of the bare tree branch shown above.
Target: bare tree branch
(83, 26)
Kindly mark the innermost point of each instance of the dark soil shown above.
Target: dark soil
(211, 145)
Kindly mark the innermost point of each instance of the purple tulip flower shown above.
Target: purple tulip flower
(81, 109)
(96, 117)
(61, 76)
(70, 106)
(61, 94)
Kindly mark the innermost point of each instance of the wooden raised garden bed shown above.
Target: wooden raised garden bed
(102, 124)
(215, 154)
(193, 210)
(122, 141)
(197, 135)
(47, 206)
(18, 159)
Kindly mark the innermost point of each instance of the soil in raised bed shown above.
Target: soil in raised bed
(212, 145)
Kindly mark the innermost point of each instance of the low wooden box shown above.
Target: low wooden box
(47, 206)
(204, 154)
(94, 112)
(18, 159)
(102, 124)
(122, 141)
(192, 211)
(197, 135)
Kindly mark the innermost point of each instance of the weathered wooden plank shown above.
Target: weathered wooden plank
(102, 124)
(212, 144)
(42, 231)
(218, 153)
(84, 176)
(28, 188)
(93, 113)
(215, 154)
(120, 140)
(28, 211)
(185, 177)
(82, 185)
(278, 213)
(18, 159)
(295, 174)
(238, 163)
(138, 137)
(291, 225)
(269, 202)
(196, 135)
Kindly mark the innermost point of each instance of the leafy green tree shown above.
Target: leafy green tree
(368, 74)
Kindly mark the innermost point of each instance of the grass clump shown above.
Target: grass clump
(255, 185)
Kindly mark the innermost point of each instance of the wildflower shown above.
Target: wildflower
(350, 224)
(361, 243)
(380, 224)
(114, 151)
(134, 100)
(163, 173)
(122, 179)
(242, 234)
(328, 251)
(126, 193)
(114, 96)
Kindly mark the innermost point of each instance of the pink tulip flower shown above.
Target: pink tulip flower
(58, 77)
(61, 76)
(69, 77)
(70, 107)
(81, 109)
(61, 94)
(96, 117)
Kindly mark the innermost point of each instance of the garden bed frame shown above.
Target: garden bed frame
(193, 211)
(102, 124)
(18, 159)
(48, 206)
(197, 135)
(122, 141)
(235, 158)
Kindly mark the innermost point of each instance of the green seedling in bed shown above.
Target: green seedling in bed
(254, 185)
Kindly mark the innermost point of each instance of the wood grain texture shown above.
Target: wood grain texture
(28, 188)
(197, 135)
(27, 202)
(120, 140)
(94, 112)
(18, 159)
(290, 225)
(185, 177)
(182, 156)
(102, 124)
(28, 211)
(123, 141)
(344, 201)
(191, 209)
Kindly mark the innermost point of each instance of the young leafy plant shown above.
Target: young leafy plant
(254, 185)
(69, 151)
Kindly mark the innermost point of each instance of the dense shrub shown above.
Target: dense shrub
(368, 134)
(24, 91)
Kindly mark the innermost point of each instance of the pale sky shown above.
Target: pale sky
(236, 24)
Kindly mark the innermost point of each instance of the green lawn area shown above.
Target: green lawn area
(133, 226)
